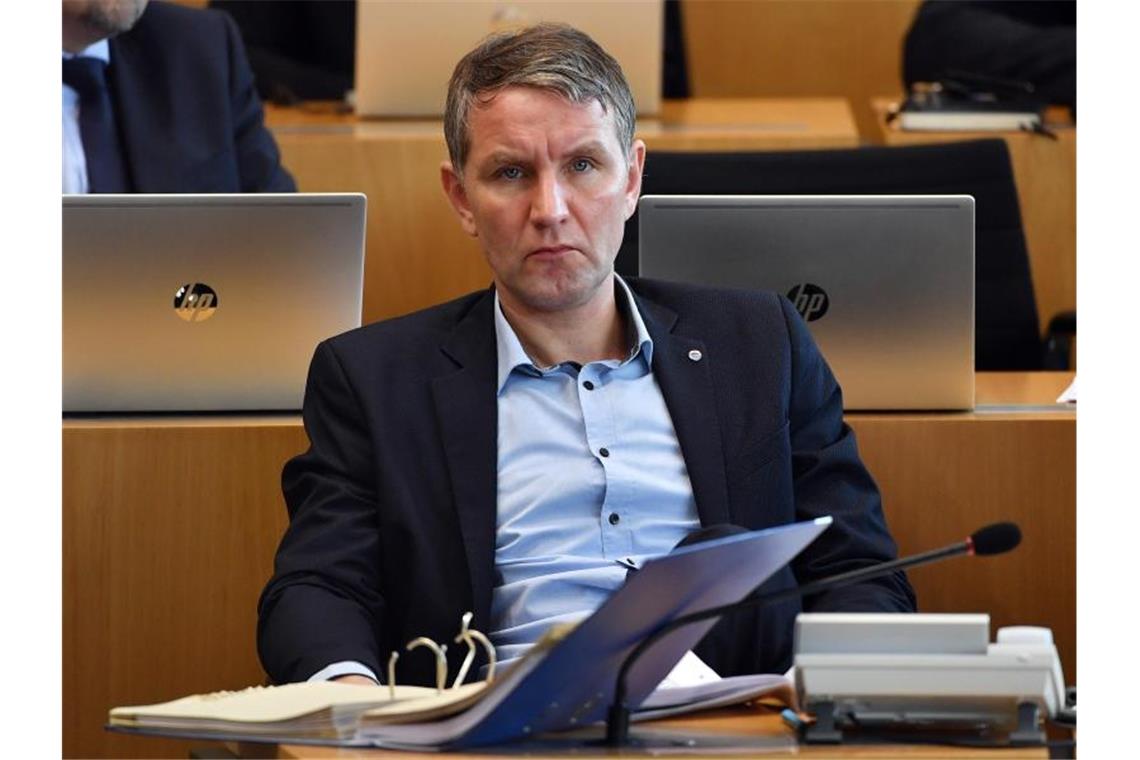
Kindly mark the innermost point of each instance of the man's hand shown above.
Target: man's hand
(355, 679)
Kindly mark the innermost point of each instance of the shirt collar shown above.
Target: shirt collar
(511, 353)
(642, 341)
(100, 50)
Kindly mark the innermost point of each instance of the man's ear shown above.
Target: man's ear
(633, 177)
(453, 189)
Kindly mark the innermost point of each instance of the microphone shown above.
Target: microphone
(997, 538)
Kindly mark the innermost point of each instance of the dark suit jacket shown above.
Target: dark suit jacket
(392, 508)
(186, 107)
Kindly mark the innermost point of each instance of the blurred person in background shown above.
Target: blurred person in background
(159, 98)
(1022, 41)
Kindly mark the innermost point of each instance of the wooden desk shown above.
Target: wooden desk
(745, 721)
(416, 253)
(170, 524)
(1046, 174)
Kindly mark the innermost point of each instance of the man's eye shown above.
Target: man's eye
(510, 172)
(582, 164)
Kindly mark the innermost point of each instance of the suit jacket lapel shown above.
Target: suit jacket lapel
(467, 411)
(686, 384)
(130, 94)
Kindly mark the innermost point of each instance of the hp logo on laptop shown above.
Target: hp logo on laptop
(195, 302)
(810, 300)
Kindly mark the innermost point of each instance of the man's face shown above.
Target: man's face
(546, 189)
(88, 21)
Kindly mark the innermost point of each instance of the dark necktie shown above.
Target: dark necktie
(106, 168)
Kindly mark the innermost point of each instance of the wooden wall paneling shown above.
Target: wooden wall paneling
(796, 48)
(168, 538)
(1046, 173)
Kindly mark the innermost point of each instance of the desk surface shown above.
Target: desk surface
(762, 122)
(748, 722)
(1022, 388)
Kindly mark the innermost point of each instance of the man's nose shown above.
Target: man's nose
(548, 206)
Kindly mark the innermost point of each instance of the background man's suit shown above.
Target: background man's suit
(186, 107)
(1031, 41)
(392, 508)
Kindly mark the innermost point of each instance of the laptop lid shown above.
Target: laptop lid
(406, 51)
(204, 302)
(885, 283)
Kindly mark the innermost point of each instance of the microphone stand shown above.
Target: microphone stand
(617, 718)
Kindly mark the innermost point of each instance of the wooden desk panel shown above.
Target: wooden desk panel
(416, 254)
(981, 472)
(169, 529)
(1046, 175)
(943, 476)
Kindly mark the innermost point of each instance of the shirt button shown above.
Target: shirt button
(588, 385)
(615, 518)
(604, 451)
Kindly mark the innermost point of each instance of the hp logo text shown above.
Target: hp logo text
(195, 302)
(810, 300)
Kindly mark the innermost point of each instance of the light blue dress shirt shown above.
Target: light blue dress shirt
(591, 482)
(74, 159)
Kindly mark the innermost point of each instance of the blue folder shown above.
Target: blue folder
(572, 684)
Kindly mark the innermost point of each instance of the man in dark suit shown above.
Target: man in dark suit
(514, 453)
(159, 98)
(1031, 41)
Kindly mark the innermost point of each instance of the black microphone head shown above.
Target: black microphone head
(996, 538)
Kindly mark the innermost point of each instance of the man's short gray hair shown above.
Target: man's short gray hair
(547, 56)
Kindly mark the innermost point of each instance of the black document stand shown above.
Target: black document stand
(827, 730)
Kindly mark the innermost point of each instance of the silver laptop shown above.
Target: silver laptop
(204, 302)
(406, 51)
(885, 283)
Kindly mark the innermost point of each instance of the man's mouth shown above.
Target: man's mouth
(551, 251)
